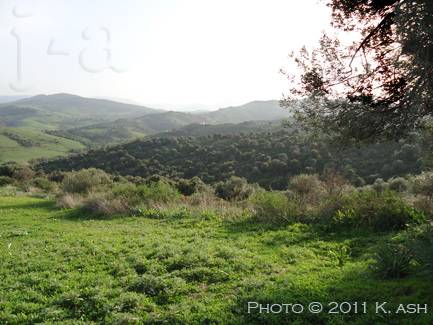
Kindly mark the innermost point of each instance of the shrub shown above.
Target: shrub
(128, 192)
(392, 261)
(85, 181)
(423, 184)
(160, 192)
(398, 184)
(69, 201)
(379, 185)
(8, 190)
(8, 169)
(341, 254)
(234, 189)
(274, 207)
(105, 205)
(6, 180)
(44, 184)
(424, 204)
(190, 186)
(16, 171)
(308, 188)
(381, 211)
(334, 184)
(205, 198)
(134, 195)
(56, 176)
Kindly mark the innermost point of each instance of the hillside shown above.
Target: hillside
(23, 144)
(266, 158)
(64, 110)
(200, 130)
(253, 111)
(124, 130)
(64, 122)
(25, 124)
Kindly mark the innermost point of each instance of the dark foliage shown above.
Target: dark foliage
(264, 158)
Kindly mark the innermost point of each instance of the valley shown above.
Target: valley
(54, 125)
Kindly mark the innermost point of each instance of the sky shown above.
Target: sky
(173, 54)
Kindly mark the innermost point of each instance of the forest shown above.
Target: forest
(267, 158)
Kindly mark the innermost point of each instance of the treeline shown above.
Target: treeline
(268, 158)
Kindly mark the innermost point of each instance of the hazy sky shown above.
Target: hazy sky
(171, 53)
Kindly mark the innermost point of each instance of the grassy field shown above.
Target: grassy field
(23, 144)
(66, 267)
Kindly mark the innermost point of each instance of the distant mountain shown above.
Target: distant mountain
(93, 122)
(254, 111)
(124, 130)
(199, 130)
(67, 110)
(24, 123)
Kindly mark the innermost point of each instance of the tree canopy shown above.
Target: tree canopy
(379, 85)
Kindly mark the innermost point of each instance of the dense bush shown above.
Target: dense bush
(6, 180)
(8, 169)
(268, 159)
(85, 180)
(275, 207)
(398, 184)
(381, 211)
(423, 184)
(134, 195)
(44, 184)
(307, 188)
(234, 189)
(16, 171)
(190, 186)
(379, 185)
(23, 173)
(106, 205)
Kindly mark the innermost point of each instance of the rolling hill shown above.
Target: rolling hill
(51, 125)
(23, 144)
(64, 110)
(25, 123)
(124, 130)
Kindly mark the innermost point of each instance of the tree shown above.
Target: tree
(381, 84)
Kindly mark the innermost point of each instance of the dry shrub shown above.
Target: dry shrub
(205, 199)
(335, 184)
(423, 184)
(308, 189)
(103, 204)
(234, 189)
(69, 201)
(424, 204)
(85, 181)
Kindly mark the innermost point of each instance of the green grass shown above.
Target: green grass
(43, 145)
(67, 267)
